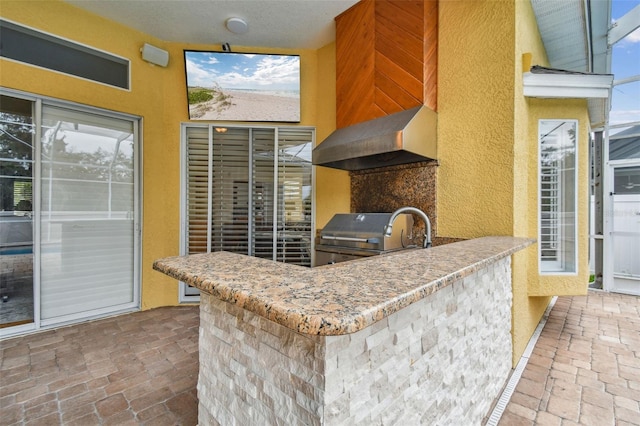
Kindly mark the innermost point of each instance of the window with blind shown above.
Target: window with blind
(247, 190)
(557, 239)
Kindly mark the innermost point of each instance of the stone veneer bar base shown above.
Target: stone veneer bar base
(441, 360)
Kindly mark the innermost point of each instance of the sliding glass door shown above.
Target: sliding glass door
(87, 232)
(70, 204)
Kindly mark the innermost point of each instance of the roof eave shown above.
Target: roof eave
(584, 86)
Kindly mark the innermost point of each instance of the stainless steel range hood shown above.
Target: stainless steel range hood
(404, 137)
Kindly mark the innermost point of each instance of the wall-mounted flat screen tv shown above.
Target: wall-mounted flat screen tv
(230, 86)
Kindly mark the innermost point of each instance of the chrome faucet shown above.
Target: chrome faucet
(427, 236)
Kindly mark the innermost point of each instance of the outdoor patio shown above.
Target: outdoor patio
(585, 367)
(141, 368)
(138, 368)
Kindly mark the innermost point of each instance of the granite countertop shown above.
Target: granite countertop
(341, 298)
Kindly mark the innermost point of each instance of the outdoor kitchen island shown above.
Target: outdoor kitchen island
(420, 337)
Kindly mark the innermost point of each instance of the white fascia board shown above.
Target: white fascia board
(581, 86)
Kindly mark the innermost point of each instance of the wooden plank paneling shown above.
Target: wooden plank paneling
(355, 52)
(390, 34)
(386, 55)
(392, 90)
(431, 54)
(399, 75)
(402, 58)
(386, 104)
(407, 16)
(387, 70)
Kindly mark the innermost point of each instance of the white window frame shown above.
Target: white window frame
(561, 265)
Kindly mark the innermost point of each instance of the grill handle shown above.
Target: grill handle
(355, 239)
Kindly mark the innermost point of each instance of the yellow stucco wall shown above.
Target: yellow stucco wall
(526, 310)
(487, 143)
(332, 186)
(147, 98)
(569, 109)
(158, 95)
(475, 118)
(534, 292)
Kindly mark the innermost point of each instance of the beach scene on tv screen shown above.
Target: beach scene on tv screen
(242, 86)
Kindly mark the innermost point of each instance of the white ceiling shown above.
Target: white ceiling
(287, 24)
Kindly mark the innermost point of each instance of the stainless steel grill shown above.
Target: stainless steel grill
(349, 236)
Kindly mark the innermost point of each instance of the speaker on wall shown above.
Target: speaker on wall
(155, 55)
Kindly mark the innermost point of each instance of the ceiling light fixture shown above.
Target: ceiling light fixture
(237, 25)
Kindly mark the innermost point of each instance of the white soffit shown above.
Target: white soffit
(564, 33)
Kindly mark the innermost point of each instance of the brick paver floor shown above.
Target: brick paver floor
(142, 368)
(132, 369)
(585, 367)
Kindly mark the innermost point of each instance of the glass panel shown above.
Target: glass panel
(263, 192)
(626, 229)
(294, 180)
(625, 144)
(16, 215)
(197, 190)
(47, 51)
(557, 240)
(230, 191)
(87, 212)
(197, 197)
(626, 222)
(626, 180)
